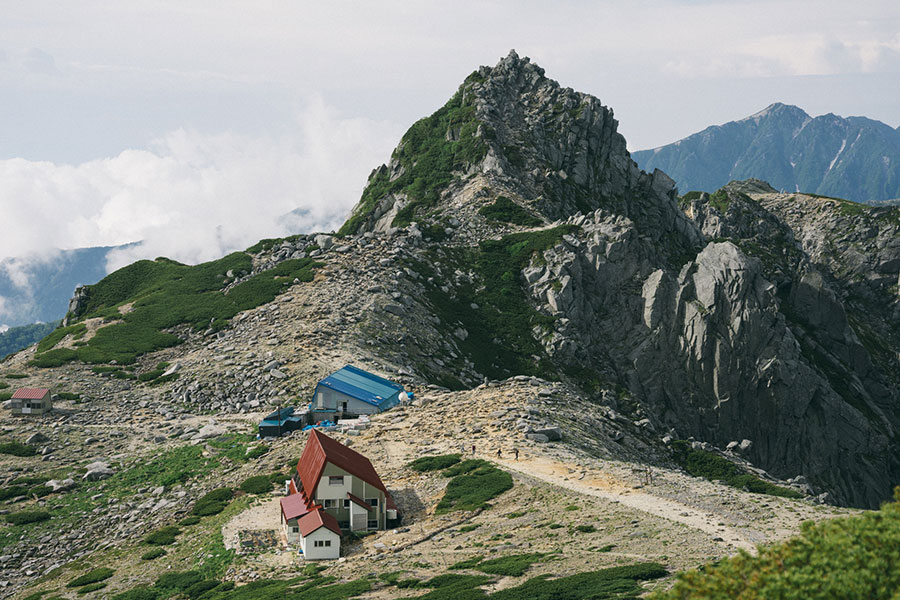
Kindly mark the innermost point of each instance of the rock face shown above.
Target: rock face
(854, 158)
(723, 317)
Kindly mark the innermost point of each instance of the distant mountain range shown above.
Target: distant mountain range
(37, 288)
(853, 158)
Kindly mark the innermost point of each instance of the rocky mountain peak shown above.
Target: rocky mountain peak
(511, 132)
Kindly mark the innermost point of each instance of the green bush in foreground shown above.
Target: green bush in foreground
(848, 557)
(27, 516)
(258, 484)
(434, 463)
(504, 210)
(93, 587)
(213, 503)
(94, 576)
(513, 565)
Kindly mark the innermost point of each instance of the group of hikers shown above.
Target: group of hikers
(500, 452)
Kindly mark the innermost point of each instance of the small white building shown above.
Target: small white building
(315, 531)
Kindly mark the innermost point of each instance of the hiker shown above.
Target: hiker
(473, 449)
(516, 452)
(499, 453)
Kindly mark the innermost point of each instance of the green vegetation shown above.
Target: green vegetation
(153, 554)
(93, 587)
(258, 484)
(165, 294)
(163, 537)
(616, 583)
(504, 210)
(709, 465)
(194, 585)
(213, 503)
(16, 338)
(434, 463)
(5, 396)
(189, 520)
(68, 396)
(720, 200)
(513, 565)
(27, 516)
(15, 375)
(429, 153)
(501, 338)
(585, 528)
(472, 489)
(849, 557)
(470, 527)
(94, 576)
(17, 449)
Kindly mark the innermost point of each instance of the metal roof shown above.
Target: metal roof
(281, 414)
(30, 393)
(321, 449)
(316, 519)
(362, 385)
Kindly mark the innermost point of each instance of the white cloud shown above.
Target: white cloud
(195, 197)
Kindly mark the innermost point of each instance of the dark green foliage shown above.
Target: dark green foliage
(153, 554)
(27, 516)
(15, 375)
(77, 331)
(178, 581)
(849, 557)
(68, 396)
(434, 463)
(200, 588)
(468, 528)
(5, 395)
(189, 520)
(151, 375)
(614, 583)
(3, 385)
(16, 338)
(101, 574)
(258, 484)
(213, 503)
(513, 565)
(720, 201)
(163, 537)
(93, 587)
(453, 586)
(164, 294)
(40, 491)
(585, 528)
(429, 160)
(470, 490)
(504, 210)
(465, 466)
(12, 491)
(138, 594)
(700, 463)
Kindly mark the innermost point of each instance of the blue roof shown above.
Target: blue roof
(280, 414)
(364, 386)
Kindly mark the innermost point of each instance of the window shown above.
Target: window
(329, 503)
(295, 529)
(373, 524)
(323, 544)
(344, 524)
(335, 480)
(346, 503)
(373, 502)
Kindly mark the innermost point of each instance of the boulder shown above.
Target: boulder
(36, 439)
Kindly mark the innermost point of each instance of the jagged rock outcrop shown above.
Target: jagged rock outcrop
(719, 316)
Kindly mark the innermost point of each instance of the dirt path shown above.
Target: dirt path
(608, 487)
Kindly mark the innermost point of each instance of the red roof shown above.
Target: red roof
(359, 501)
(321, 449)
(30, 393)
(293, 506)
(315, 519)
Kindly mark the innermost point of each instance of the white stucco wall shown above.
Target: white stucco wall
(311, 552)
(326, 491)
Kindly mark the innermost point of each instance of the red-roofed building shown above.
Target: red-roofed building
(341, 485)
(31, 401)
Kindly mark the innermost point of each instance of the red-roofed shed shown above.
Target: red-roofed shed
(31, 401)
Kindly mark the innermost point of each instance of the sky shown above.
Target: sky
(199, 128)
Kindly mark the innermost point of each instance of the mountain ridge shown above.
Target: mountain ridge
(846, 157)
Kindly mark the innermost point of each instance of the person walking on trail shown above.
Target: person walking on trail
(516, 452)
(499, 453)
(473, 449)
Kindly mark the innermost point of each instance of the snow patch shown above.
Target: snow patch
(834, 160)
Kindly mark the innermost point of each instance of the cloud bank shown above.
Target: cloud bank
(194, 197)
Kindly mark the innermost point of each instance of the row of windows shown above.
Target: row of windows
(373, 502)
(322, 543)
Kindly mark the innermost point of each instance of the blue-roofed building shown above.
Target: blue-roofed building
(280, 422)
(352, 391)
